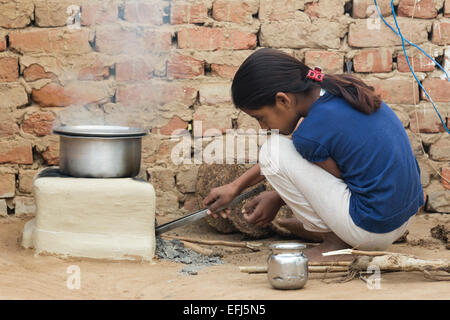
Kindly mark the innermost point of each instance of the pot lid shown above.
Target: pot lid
(287, 246)
(99, 131)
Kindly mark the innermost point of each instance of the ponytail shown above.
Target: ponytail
(268, 71)
(358, 94)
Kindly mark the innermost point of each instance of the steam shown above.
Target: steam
(129, 44)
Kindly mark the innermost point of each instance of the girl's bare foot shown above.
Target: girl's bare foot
(331, 242)
(296, 228)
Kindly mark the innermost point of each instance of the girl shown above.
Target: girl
(348, 171)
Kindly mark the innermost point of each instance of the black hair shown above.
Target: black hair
(269, 71)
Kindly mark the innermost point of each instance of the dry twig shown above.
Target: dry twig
(311, 269)
(197, 248)
(252, 246)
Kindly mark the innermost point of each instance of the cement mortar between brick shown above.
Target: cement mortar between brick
(235, 58)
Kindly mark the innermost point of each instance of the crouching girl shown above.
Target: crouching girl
(343, 162)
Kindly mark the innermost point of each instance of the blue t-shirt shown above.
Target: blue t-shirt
(374, 155)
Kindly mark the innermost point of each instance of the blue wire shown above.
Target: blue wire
(399, 33)
(401, 36)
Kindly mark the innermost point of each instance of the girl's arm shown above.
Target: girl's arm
(223, 195)
(330, 166)
(249, 178)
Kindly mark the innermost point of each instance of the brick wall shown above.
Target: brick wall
(164, 64)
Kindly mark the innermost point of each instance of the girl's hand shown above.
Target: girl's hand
(262, 209)
(220, 196)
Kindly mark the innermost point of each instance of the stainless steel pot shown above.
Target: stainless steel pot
(287, 267)
(100, 151)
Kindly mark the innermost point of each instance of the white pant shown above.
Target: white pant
(317, 198)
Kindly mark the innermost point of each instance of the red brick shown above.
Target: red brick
(164, 152)
(175, 123)
(224, 70)
(365, 8)
(19, 152)
(203, 38)
(9, 69)
(186, 12)
(397, 91)
(55, 13)
(115, 39)
(2, 43)
(133, 70)
(215, 93)
(439, 90)
(425, 9)
(26, 180)
(16, 13)
(279, 10)
(184, 67)
(212, 119)
(161, 93)
(191, 203)
(99, 13)
(51, 95)
(311, 9)
(36, 72)
(24, 206)
(419, 63)
(157, 41)
(50, 41)
(8, 127)
(446, 178)
(447, 8)
(440, 150)
(7, 185)
(54, 95)
(232, 11)
(429, 122)
(39, 123)
(96, 71)
(141, 12)
(373, 60)
(441, 33)
(363, 35)
(12, 95)
(330, 62)
(51, 154)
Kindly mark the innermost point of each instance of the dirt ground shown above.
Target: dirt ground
(26, 276)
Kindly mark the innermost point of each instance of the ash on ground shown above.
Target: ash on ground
(174, 250)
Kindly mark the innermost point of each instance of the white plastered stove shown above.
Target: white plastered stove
(93, 218)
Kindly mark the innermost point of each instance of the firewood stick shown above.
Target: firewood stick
(361, 253)
(249, 245)
(253, 269)
(330, 263)
(328, 276)
(436, 277)
(324, 269)
(311, 269)
(197, 248)
(398, 262)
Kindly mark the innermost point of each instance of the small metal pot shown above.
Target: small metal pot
(100, 151)
(287, 266)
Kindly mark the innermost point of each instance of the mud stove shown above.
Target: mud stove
(111, 218)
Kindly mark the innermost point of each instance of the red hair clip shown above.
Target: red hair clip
(315, 74)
